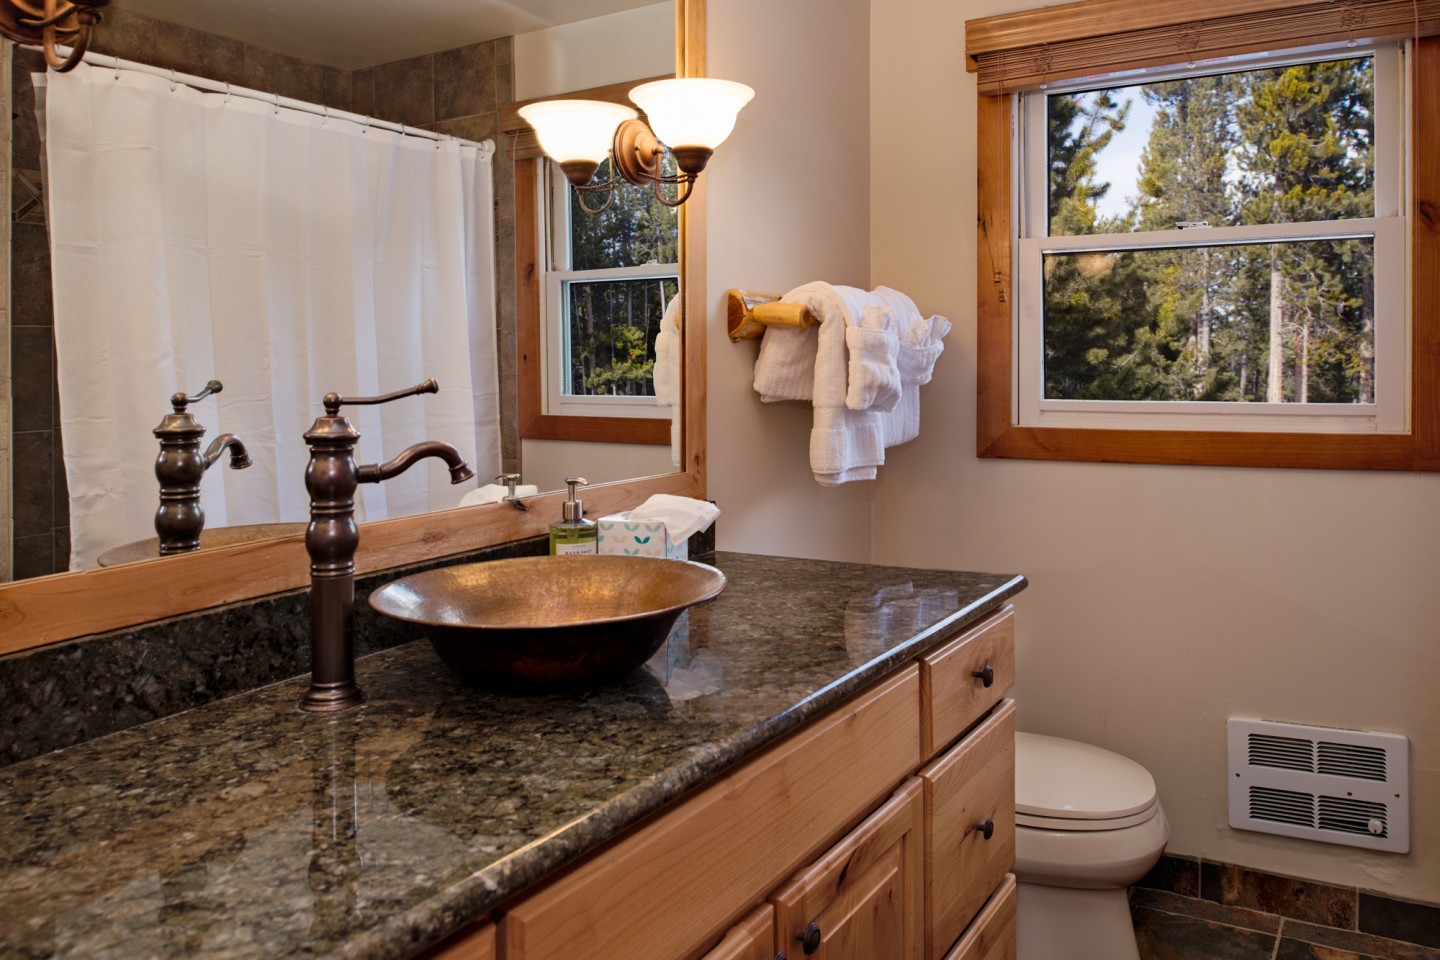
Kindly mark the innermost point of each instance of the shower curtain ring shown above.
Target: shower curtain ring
(172, 80)
(117, 68)
(277, 104)
(227, 94)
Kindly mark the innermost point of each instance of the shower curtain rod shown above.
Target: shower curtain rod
(215, 86)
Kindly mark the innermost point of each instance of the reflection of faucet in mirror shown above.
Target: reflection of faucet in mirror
(332, 538)
(510, 480)
(181, 466)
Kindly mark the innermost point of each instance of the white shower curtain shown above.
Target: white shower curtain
(198, 236)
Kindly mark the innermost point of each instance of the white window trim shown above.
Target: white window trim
(1390, 413)
(553, 192)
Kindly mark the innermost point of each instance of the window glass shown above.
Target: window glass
(1210, 239)
(1287, 144)
(612, 273)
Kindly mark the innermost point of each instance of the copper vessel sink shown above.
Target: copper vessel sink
(537, 623)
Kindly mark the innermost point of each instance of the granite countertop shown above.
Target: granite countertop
(248, 829)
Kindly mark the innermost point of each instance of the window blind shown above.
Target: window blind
(1030, 48)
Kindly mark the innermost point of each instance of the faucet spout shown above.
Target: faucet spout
(407, 458)
(239, 456)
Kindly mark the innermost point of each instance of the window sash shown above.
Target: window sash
(556, 345)
(1388, 229)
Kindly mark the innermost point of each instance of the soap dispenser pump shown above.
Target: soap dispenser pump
(573, 533)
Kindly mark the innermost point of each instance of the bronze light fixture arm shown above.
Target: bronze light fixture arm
(51, 22)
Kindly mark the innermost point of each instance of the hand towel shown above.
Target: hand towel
(916, 361)
(667, 375)
(495, 493)
(873, 377)
(682, 516)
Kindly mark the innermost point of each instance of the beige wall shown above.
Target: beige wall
(548, 462)
(1162, 599)
(787, 205)
(629, 45)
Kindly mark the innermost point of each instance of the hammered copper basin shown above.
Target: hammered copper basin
(537, 623)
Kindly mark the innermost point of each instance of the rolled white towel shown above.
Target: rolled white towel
(495, 493)
(874, 380)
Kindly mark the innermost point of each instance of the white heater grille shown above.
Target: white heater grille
(1318, 783)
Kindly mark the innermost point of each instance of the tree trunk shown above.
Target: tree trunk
(1275, 387)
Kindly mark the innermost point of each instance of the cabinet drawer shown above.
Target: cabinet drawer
(992, 935)
(668, 887)
(751, 939)
(861, 901)
(971, 785)
(952, 695)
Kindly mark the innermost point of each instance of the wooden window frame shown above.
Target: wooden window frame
(534, 422)
(999, 435)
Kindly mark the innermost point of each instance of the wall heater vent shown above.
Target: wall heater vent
(1319, 783)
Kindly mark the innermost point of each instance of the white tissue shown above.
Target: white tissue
(682, 516)
(495, 493)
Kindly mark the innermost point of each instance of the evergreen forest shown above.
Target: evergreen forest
(1269, 322)
(613, 322)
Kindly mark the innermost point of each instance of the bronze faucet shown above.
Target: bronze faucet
(181, 466)
(332, 538)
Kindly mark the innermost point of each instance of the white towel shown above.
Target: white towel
(874, 378)
(495, 493)
(667, 372)
(861, 368)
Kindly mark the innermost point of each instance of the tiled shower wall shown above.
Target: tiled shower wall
(456, 92)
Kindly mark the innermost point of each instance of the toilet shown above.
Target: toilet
(1088, 823)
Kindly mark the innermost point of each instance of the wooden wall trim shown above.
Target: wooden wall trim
(1027, 49)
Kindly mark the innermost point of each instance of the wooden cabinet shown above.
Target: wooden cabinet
(963, 678)
(722, 875)
(476, 943)
(992, 935)
(751, 939)
(862, 899)
(969, 827)
(677, 881)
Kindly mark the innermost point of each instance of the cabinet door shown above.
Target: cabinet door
(992, 935)
(862, 899)
(969, 826)
(751, 939)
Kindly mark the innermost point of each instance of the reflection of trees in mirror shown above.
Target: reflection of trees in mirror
(612, 323)
(1279, 321)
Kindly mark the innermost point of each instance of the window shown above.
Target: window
(1209, 263)
(608, 280)
(1216, 250)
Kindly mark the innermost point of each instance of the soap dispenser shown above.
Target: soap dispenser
(573, 533)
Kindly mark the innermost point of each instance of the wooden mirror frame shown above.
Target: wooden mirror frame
(66, 606)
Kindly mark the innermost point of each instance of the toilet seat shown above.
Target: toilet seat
(1066, 785)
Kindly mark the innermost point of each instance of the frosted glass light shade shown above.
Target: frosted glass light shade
(570, 130)
(693, 112)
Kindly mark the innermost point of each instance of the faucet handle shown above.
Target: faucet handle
(179, 401)
(333, 401)
(510, 480)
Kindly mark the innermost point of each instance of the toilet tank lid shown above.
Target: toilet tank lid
(1071, 780)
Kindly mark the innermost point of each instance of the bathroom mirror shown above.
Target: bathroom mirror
(50, 609)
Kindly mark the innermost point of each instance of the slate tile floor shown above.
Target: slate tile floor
(1189, 910)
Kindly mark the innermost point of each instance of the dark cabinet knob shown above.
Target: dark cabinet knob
(810, 939)
(987, 829)
(986, 676)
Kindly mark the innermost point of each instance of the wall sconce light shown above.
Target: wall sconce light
(689, 118)
(48, 22)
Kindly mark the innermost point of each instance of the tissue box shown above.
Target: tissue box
(619, 536)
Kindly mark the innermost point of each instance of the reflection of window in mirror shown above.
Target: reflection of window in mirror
(608, 279)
